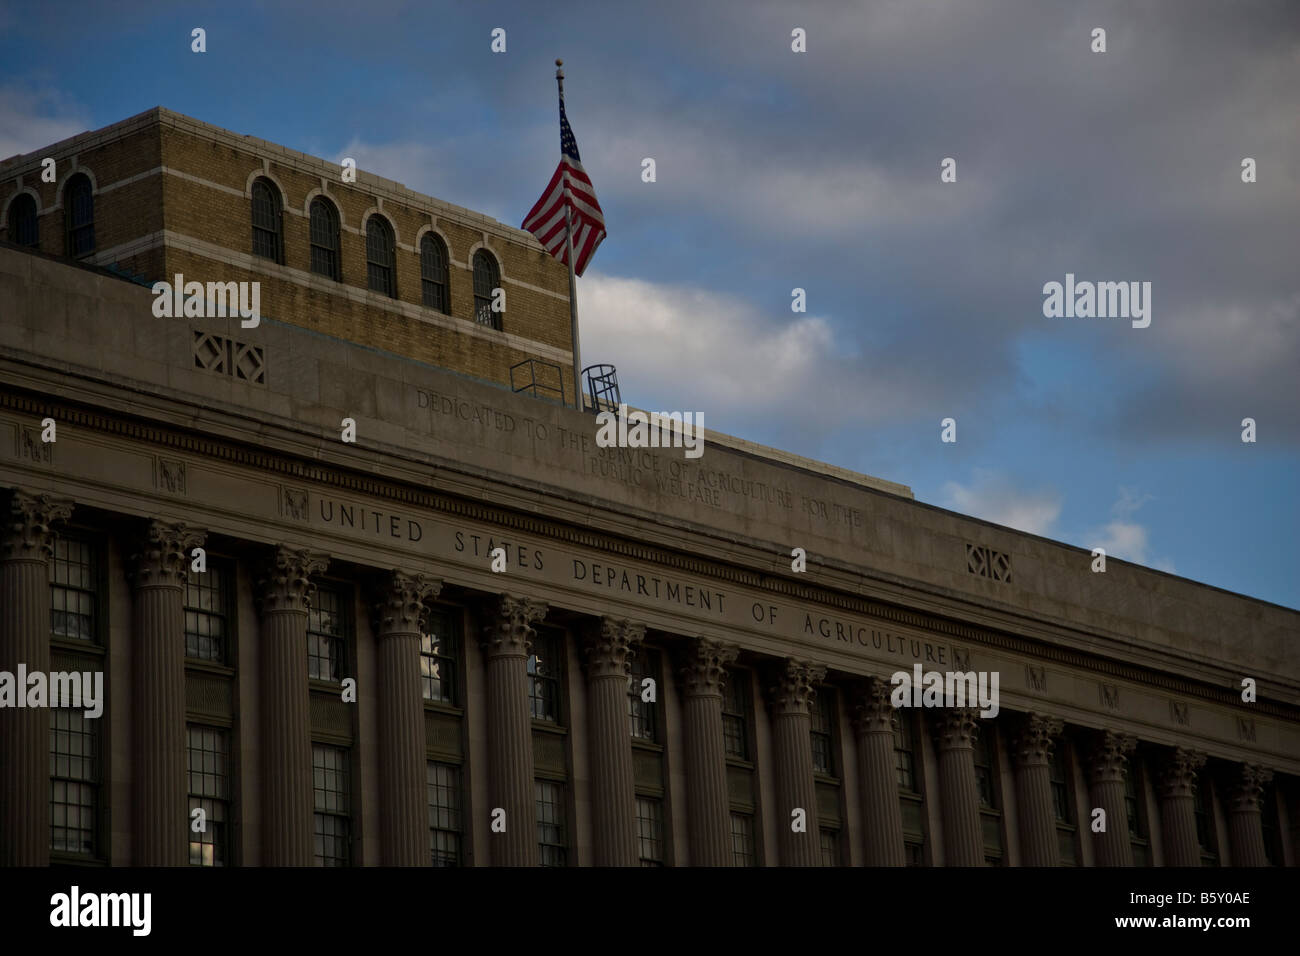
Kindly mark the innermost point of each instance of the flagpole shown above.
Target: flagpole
(573, 285)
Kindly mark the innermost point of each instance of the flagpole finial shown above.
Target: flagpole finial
(559, 73)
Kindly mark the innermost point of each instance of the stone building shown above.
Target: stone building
(340, 676)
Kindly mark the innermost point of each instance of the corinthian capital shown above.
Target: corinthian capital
(1177, 777)
(873, 711)
(27, 531)
(703, 666)
(1247, 788)
(162, 557)
(397, 606)
(1033, 742)
(955, 727)
(1108, 760)
(790, 690)
(509, 628)
(284, 582)
(608, 645)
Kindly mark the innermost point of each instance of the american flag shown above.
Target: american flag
(569, 188)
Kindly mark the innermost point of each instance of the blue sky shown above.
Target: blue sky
(820, 170)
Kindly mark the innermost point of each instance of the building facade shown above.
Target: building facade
(460, 632)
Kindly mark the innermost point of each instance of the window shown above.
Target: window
(905, 753)
(984, 779)
(915, 853)
(735, 712)
(74, 590)
(207, 613)
(380, 270)
(552, 842)
(986, 785)
(74, 782)
(267, 239)
(1059, 772)
(487, 278)
(433, 273)
(645, 721)
(439, 651)
(830, 847)
(1137, 824)
(24, 229)
(325, 239)
(209, 786)
(822, 714)
(445, 820)
(650, 831)
(742, 840)
(79, 214)
(1203, 802)
(332, 792)
(327, 634)
(544, 668)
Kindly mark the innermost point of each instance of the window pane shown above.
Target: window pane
(79, 204)
(445, 821)
(433, 273)
(74, 781)
(327, 634)
(324, 238)
(735, 712)
(207, 611)
(487, 278)
(439, 652)
(380, 256)
(209, 789)
(332, 794)
(649, 831)
(643, 714)
(266, 220)
(74, 587)
(23, 222)
(544, 666)
(552, 841)
(742, 840)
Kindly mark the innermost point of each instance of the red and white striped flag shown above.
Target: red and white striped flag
(570, 188)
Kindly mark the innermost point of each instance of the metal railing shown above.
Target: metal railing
(602, 386)
(534, 383)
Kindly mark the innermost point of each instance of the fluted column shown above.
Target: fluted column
(507, 643)
(1032, 747)
(1177, 785)
(26, 545)
(608, 646)
(954, 736)
(403, 780)
(882, 819)
(790, 695)
(1107, 765)
(285, 591)
(1245, 822)
(708, 819)
(159, 804)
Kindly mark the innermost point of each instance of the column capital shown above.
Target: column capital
(1108, 759)
(955, 727)
(871, 707)
(27, 531)
(1177, 778)
(397, 604)
(1032, 743)
(162, 555)
(703, 666)
(790, 690)
(509, 630)
(607, 646)
(284, 579)
(1246, 788)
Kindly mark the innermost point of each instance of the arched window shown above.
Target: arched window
(379, 256)
(433, 273)
(487, 277)
(23, 228)
(79, 210)
(267, 240)
(324, 238)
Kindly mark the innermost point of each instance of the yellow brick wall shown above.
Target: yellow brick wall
(224, 218)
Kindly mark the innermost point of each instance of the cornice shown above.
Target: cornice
(346, 478)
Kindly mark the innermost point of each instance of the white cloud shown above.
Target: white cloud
(698, 350)
(994, 497)
(30, 119)
(1124, 538)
